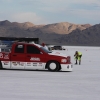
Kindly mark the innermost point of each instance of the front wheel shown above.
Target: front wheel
(53, 66)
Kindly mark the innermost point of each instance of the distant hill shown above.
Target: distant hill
(61, 28)
(58, 33)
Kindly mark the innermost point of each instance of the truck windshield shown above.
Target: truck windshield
(45, 50)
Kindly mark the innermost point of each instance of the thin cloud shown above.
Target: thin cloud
(28, 17)
(24, 17)
(86, 14)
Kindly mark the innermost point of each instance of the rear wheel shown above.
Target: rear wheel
(0, 65)
(53, 66)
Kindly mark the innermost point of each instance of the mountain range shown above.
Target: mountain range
(63, 33)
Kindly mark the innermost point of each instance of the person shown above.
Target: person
(43, 44)
(78, 56)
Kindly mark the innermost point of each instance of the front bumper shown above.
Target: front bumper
(66, 67)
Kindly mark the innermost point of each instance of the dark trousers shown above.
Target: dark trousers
(78, 57)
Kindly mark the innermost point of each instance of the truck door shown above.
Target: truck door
(34, 58)
(18, 57)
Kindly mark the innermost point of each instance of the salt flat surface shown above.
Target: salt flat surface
(81, 84)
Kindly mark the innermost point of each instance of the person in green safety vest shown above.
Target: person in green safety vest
(78, 56)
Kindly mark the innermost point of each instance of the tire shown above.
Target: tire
(53, 66)
(0, 65)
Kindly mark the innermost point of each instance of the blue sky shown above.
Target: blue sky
(50, 11)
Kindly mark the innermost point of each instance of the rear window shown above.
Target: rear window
(19, 48)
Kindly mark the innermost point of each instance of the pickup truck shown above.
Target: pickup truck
(34, 57)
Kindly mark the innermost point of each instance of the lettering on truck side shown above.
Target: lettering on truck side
(35, 59)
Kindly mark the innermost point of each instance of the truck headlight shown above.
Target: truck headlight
(63, 60)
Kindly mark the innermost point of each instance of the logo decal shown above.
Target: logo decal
(35, 59)
(6, 62)
(18, 63)
(6, 56)
(1, 55)
(14, 63)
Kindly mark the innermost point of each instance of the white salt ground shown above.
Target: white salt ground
(81, 84)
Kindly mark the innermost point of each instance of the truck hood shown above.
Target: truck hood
(55, 53)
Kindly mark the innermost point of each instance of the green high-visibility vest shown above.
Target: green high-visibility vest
(78, 57)
(79, 53)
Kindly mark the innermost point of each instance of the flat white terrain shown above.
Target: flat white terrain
(81, 84)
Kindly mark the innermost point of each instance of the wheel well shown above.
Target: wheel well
(52, 61)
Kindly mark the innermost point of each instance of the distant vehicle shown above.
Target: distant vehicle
(6, 43)
(5, 49)
(57, 48)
